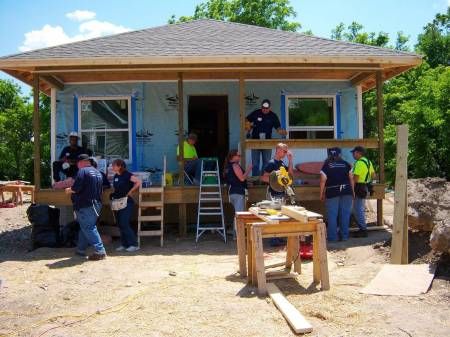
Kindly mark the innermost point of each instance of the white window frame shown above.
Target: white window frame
(108, 98)
(311, 128)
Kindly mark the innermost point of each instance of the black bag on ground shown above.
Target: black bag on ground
(69, 234)
(44, 226)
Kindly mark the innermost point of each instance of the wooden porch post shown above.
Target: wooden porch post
(36, 134)
(380, 114)
(242, 118)
(182, 207)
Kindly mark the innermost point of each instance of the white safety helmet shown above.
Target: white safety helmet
(73, 134)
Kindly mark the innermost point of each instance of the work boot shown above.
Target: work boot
(97, 257)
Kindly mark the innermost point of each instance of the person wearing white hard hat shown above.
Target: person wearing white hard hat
(68, 158)
(261, 122)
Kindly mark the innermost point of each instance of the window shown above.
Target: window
(105, 125)
(310, 117)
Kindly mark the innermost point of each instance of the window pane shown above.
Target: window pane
(310, 112)
(107, 144)
(104, 114)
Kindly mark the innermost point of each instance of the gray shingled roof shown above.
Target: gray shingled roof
(206, 38)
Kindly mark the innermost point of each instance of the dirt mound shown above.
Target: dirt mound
(428, 202)
(440, 237)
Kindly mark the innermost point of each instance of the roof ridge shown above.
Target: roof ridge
(312, 36)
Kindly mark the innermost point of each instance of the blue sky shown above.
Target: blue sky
(28, 24)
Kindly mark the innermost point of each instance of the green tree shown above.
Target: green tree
(434, 42)
(16, 134)
(265, 13)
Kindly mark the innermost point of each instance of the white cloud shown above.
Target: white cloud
(50, 36)
(80, 15)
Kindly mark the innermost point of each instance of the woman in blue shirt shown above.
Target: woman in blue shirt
(125, 183)
(236, 181)
(337, 191)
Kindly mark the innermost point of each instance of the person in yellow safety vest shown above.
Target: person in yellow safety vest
(192, 165)
(363, 172)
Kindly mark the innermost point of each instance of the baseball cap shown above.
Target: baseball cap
(334, 152)
(73, 134)
(265, 103)
(359, 149)
(83, 156)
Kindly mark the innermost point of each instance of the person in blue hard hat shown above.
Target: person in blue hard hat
(337, 191)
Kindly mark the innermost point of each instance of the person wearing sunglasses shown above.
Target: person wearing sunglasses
(236, 179)
(281, 152)
(261, 122)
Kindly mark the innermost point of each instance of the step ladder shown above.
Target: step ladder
(152, 198)
(210, 203)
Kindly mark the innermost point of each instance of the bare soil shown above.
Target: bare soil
(189, 289)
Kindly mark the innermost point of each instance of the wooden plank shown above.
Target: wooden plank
(369, 143)
(53, 81)
(295, 212)
(316, 258)
(148, 204)
(150, 233)
(149, 190)
(361, 78)
(36, 134)
(240, 229)
(322, 245)
(259, 261)
(296, 320)
(399, 248)
(242, 120)
(380, 118)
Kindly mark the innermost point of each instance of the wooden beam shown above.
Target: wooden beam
(53, 81)
(399, 247)
(380, 118)
(242, 119)
(361, 78)
(369, 143)
(295, 319)
(37, 134)
(182, 207)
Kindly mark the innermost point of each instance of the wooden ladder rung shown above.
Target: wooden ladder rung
(148, 190)
(144, 204)
(150, 233)
(150, 218)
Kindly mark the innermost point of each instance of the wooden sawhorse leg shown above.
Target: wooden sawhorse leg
(240, 228)
(320, 260)
(259, 261)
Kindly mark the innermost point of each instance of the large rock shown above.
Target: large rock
(428, 202)
(440, 237)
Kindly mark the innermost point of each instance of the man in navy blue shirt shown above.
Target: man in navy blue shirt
(281, 151)
(261, 122)
(86, 194)
(67, 162)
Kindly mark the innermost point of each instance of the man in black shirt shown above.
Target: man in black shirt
(261, 122)
(281, 151)
(67, 162)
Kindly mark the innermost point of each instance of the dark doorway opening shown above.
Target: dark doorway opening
(208, 118)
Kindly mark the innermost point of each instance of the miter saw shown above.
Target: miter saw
(281, 181)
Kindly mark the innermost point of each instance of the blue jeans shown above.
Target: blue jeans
(341, 207)
(359, 210)
(123, 217)
(88, 235)
(256, 156)
(193, 169)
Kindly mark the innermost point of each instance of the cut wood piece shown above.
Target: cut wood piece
(295, 212)
(149, 218)
(298, 323)
(274, 265)
(279, 277)
(145, 204)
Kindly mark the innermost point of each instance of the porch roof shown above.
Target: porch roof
(209, 46)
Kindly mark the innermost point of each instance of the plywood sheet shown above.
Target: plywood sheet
(401, 280)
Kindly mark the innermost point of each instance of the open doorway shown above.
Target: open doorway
(208, 118)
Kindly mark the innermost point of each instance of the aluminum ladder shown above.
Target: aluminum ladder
(210, 204)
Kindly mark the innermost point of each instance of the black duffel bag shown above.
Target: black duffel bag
(44, 226)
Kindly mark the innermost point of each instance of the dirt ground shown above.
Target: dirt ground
(49, 292)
